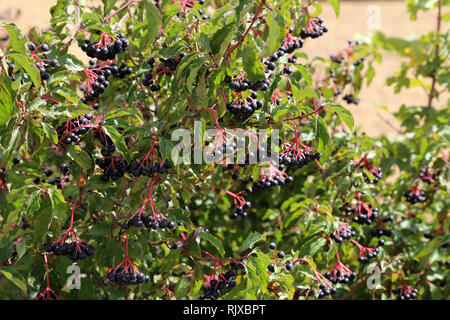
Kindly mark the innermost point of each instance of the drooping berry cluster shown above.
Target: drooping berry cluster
(366, 254)
(240, 210)
(149, 78)
(244, 109)
(215, 287)
(364, 212)
(376, 172)
(149, 221)
(171, 63)
(272, 178)
(77, 250)
(314, 29)
(340, 276)
(288, 46)
(326, 290)
(240, 83)
(24, 224)
(105, 48)
(349, 98)
(127, 276)
(337, 59)
(364, 163)
(113, 167)
(345, 232)
(97, 78)
(47, 294)
(381, 232)
(42, 64)
(58, 181)
(405, 292)
(296, 157)
(413, 195)
(428, 177)
(10, 67)
(138, 169)
(70, 131)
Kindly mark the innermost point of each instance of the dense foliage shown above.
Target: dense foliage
(87, 173)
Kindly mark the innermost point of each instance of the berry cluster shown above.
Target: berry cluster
(244, 109)
(150, 222)
(364, 212)
(358, 61)
(314, 30)
(364, 163)
(215, 287)
(325, 290)
(75, 250)
(42, 64)
(138, 169)
(269, 182)
(97, 78)
(239, 84)
(345, 232)
(340, 275)
(370, 253)
(381, 232)
(105, 48)
(47, 294)
(171, 63)
(10, 67)
(24, 224)
(240, 210)
(376, 172)
(58, 181)
(337, 59)
(413, 195)
(113, 167)
(405, 292)
(289, 45)
(428, 177)
(148, 76)
(122, 71)
(71, 131)
(294, 157)
(349, 98)
(126, 276)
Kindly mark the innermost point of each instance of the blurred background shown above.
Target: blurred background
(358, 19)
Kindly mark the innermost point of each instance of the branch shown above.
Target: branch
(230, 50)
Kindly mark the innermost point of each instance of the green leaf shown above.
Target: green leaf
(58, 204)
(251, 62)
(7, 155)
(71, 62)
(276, 24)
(118, 140)
(68, 94)
(16, 37)
(322, 135)
(6, 99)
(80, 156)
(345, 116)
(221, 38)
(250, 241)
(12, 276)
(28, 64)
(335, 5)
(216, 242)
(153, 22)
(50, 133)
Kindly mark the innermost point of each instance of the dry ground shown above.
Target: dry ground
(353, 20)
